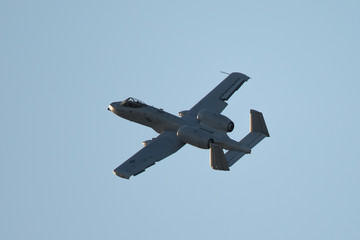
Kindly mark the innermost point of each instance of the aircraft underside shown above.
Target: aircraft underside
(202, 126)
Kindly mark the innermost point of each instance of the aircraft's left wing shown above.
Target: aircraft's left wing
(164, 145)
(216, 99)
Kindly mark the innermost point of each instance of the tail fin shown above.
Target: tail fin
(257, 123)
(258, 131)
(217, 158)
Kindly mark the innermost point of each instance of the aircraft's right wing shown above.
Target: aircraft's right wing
(215, 100)
(164, 145)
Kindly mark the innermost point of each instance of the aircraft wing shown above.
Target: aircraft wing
(215, 100)
(164, 145)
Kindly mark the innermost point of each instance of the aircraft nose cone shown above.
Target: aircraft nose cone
(110, 108)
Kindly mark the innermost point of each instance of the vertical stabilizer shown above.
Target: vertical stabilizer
(257, 123)
(217, 158)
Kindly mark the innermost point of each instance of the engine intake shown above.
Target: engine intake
(215, 120)
(195, 136)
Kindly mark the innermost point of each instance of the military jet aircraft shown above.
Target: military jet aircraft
(202, 126)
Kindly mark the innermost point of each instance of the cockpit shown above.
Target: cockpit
(132, 103)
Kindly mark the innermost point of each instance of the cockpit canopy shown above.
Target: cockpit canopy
(132, 103)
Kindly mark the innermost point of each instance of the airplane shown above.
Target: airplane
(202, 126)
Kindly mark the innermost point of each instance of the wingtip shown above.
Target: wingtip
(242, 75)
(121, 175)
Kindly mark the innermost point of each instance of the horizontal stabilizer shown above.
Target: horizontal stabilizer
(258, 131)
(217, 158)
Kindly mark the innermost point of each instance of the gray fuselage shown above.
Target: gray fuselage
(188, 129)
(156, 118)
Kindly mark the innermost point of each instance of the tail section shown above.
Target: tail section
(217, 158)
(258, 131)
(257, 123)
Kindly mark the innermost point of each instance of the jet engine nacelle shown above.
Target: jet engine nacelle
(195, 136)
(215, 120)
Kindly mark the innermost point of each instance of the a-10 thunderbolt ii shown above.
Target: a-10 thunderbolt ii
(202, 126)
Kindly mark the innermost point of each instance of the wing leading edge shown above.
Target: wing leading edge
(215, 100)
(164, 145)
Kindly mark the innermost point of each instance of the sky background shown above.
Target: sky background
(63, 62)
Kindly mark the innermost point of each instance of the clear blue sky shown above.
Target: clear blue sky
(63, 62)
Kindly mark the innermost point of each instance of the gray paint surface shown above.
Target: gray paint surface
(201, 126)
